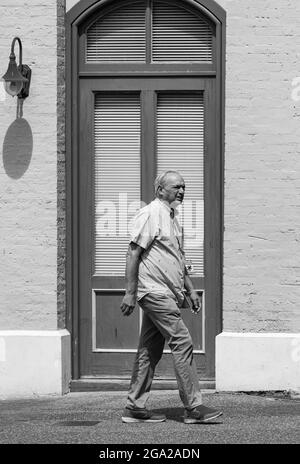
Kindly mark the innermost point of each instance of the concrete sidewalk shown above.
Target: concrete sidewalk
(96, 418)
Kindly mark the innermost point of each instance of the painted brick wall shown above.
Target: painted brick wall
(70, 3)
(28, 172)
(262, 166)
(61, 167)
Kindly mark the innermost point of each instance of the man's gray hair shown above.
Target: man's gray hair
(160, 179)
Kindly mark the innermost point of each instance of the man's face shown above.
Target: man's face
(173, 189)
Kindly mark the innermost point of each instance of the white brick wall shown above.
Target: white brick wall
(28, 243)
(70, 4)
(262, 166)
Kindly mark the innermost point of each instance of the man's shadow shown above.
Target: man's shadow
(176, 414)
(17, 148)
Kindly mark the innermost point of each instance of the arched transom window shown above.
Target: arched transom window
(150, 31)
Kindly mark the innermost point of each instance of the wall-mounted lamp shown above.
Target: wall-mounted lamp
(17, 78)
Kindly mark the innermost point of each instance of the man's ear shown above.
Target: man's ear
(159, 189)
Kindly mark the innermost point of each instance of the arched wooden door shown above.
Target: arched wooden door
(146, 97)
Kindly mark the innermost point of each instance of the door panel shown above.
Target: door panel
(180, 146)
(110, 331)
(125, 138)
(117, 147)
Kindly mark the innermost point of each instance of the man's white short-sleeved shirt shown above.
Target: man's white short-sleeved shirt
(161, 268)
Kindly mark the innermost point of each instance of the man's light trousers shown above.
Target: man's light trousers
(162, 321)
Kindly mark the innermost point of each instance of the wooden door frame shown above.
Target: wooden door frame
(89, 88)
(74, 18)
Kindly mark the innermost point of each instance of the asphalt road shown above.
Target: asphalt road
(96, 418)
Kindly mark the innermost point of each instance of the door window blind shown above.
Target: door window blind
(118, 36)
(179, 35)
(180, 137)
(116, 178)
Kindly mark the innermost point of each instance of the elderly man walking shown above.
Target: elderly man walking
(156, 277)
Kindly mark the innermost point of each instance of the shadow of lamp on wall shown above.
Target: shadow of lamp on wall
(18, 142)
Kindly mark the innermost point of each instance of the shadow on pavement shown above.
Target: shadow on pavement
(176, 414)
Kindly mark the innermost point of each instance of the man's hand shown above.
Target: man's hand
(196, 301)
(128, 304)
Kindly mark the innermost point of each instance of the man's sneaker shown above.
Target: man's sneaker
(201, 414)
(141, 415)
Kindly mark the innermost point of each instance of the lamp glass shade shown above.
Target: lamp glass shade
(13, 88)
(14, 80)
